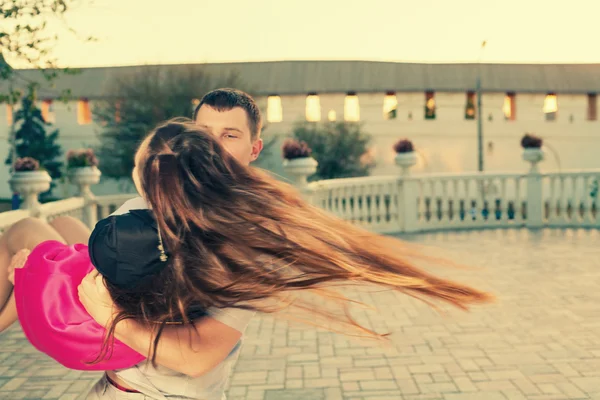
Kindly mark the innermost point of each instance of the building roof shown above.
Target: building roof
(301, 77)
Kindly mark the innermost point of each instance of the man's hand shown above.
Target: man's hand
(96, 300)
(18, 261)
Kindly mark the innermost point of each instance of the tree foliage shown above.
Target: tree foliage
(141, 100)
(341, 148)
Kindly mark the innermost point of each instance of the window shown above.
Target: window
(429, 105)
(48, 111)
(9, 114)
(331, 116)
(592, 114)
(351, 108)
(470, 106)
(84, 114)
(509, 108)
(550, 106)
(274, 109)
(390, 106)
(313, 108)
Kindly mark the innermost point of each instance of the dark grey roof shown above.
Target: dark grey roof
(300, 77)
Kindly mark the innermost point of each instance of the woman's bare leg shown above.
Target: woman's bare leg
(72, 230)
(5, 257)
(25, 234)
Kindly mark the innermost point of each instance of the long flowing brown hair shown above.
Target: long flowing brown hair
(237, 237)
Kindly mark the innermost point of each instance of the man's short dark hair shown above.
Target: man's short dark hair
(227, 99)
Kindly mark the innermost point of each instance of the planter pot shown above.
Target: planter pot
(84, 177)
(300, 168)
(29, 184)
(406, 161)
(533, 156)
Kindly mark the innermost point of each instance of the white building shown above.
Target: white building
(558, 102)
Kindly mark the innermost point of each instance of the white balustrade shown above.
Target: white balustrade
(409, 203)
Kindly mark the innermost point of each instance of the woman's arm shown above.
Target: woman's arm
(191, 350)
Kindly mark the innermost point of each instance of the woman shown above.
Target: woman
(236, 238)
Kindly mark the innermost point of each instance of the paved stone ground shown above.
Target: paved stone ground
(541, 340)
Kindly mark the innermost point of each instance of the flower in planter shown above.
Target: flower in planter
(404, 146)
(293, 149)
(530, 141)
(81, 158)
(26, 164)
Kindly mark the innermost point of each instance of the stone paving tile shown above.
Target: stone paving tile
(540, 340)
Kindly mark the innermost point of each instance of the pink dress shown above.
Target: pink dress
(53, 318)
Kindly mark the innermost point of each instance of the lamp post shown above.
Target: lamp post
(480, 164)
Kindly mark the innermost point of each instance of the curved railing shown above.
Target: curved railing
(77, 207)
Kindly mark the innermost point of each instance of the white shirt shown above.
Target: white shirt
(153, 382)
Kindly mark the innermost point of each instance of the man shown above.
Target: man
(209, 349)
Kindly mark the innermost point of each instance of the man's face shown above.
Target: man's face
(231, 128)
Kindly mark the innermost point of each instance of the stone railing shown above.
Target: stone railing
(419, 203)
(406, 203)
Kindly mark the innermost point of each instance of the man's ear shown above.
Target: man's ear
(257, 147)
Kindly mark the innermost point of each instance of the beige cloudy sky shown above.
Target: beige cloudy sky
(193, 31)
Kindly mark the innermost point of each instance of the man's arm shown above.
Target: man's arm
(190, 350)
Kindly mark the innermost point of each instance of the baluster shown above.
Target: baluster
(364, 193)
(597, 199)
(435, 205)
(455, 202)
(503, 205)
(379, 206)
(392, 208)
(373, 205)
(332, 203)
(343, 199)
(352, 201)
(589, 201)
(563, 206)
(483, 195)
(518, 202)
(422, 207)
(574, 201)
(552, 201)
(445, 207)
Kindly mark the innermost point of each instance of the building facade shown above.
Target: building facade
(434, 105)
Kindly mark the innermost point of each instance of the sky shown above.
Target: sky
(131, 32)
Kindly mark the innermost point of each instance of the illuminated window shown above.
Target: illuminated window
(84, 114)
(592, 114)
(470, 106)
(429, 105)
(390, 106)
(550, 106)
(331, 115)
(509, 108)
(9, 114)
(351, 108)
(313, 108)
(48, 112)
(274, 109)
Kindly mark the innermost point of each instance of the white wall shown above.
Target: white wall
(449, 143)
